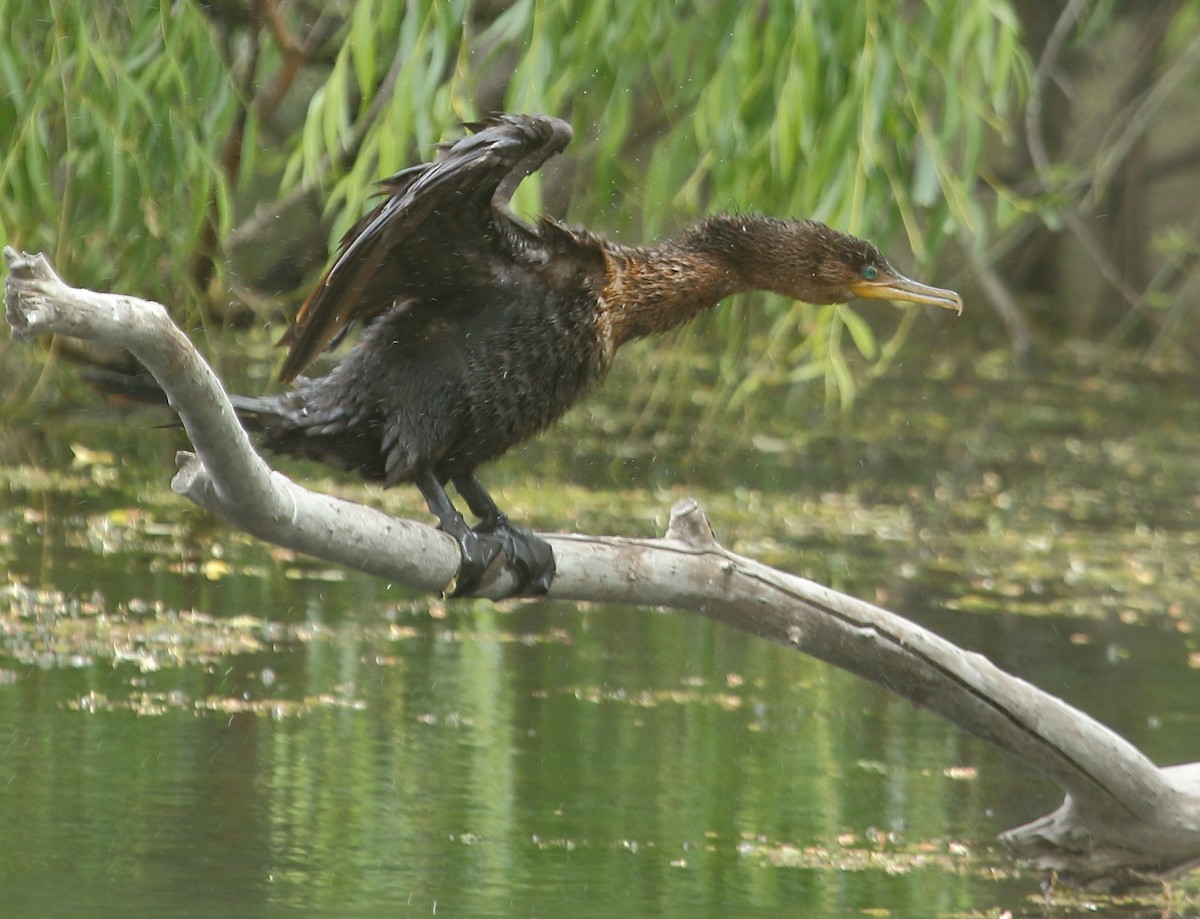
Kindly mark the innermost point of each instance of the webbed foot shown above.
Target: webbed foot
(529, 558)
(478, 550)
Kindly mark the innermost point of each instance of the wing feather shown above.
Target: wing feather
(445, 207)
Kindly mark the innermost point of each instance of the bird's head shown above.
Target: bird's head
(810, 261)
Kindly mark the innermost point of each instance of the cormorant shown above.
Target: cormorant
(482, 329)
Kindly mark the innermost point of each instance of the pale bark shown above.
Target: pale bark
(1124, 820)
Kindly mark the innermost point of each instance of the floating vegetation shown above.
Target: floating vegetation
(50, 629)
(976, 494)
(137, 640)
(162, 703)
(876, 850)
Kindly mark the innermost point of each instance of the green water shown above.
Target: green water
(194, 724)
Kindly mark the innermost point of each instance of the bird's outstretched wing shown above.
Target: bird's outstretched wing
(433, 214)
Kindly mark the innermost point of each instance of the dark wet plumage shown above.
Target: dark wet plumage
(481, 329)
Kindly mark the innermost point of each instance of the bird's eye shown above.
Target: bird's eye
(870, 273)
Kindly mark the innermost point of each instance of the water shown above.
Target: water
(193, 724)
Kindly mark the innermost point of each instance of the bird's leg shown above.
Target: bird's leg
(530, 559)
(478, 549)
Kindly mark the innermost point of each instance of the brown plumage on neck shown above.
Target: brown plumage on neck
(653, 289)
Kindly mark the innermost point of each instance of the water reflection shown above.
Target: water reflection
(194, 724)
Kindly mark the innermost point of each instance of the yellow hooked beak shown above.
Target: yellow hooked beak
(898, 287)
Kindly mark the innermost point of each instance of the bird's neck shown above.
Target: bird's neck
(655, 288)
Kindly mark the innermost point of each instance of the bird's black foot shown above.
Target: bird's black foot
(478, 550)
(530, 559)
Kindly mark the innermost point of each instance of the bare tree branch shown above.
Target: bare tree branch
(1041, 159)
(1128, 129)
(1124, 820)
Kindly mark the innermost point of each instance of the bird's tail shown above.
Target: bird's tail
(257, 413)
(285, 423)
(118, 386)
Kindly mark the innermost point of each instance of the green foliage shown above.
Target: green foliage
(871, 116)
(820, 108)
(113, 113)
(402, 58)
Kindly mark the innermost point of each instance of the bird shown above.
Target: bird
(479, 329)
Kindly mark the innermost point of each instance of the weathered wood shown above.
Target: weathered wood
(1124, 820)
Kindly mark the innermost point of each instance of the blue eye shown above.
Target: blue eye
(870, 273)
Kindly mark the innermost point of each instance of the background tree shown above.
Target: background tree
(217, 149)
(1107, 243)
(194, 142)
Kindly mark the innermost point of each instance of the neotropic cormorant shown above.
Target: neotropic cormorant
(482, 329)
